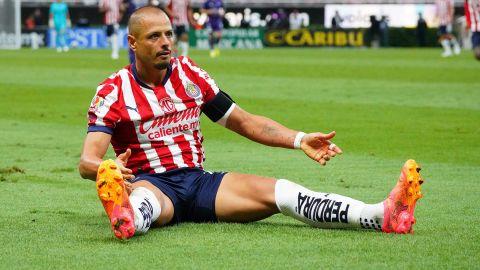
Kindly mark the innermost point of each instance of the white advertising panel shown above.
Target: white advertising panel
(358, 16)
(10, 36)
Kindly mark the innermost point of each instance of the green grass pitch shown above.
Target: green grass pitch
(386, 105)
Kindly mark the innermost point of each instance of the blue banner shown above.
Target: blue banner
(88, 38)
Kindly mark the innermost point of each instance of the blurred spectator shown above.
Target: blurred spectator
(83, 21)
(421, 31)
(30, 23)
(271, 18)
(295, 20)
(383, 31)
(37, 17)
(278, 20)
(282, 19)
(337, 21)
(34, 20)
(374, 32)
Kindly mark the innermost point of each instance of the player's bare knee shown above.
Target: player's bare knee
(166, 204)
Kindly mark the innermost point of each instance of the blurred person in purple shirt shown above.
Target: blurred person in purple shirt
(215, 11)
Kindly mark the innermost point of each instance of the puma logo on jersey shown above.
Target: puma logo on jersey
(131, 108)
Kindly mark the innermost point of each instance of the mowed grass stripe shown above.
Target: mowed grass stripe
(344, 91)
(52, 219)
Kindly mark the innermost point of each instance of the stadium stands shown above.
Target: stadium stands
(262, 3)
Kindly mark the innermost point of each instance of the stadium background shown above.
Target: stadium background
(85, 13)
(387, 105)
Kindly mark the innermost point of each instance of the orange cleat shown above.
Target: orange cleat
(111, 191)
(400, 204)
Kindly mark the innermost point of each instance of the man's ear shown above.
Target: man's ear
(132, 42)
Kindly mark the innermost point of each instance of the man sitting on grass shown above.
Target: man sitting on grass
(150, 112)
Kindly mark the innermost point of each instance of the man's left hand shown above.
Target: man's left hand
(318, 147)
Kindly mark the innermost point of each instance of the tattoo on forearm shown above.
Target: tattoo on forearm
(270, 131)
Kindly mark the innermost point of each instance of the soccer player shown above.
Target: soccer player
(112, 10)
(472, 13)
(215, 11)
(180, 11)
(150, 113)
(445, 13)
(59, 19)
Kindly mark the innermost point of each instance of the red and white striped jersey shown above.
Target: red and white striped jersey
(112, 11)
(162, 125)
(179, 9)
(472, 13)
(445, 10)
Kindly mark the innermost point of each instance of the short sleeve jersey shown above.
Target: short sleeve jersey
(59, 11)
(180, 9)
(112, 13)
(216, 5)
(161, 125)
(472, 14)
(444, 8)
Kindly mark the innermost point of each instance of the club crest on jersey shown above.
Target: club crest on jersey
(166, 104)
(97, 102)
(192, 90)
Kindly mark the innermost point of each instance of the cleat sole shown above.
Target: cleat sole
(400, 204)
(112, 193)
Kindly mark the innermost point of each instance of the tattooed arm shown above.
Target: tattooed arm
(266, 131)
(260, 129)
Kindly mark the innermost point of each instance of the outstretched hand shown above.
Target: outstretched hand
(318, 147)
(121, 161)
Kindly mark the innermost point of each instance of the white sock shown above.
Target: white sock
(145, 207)
(323, 210)
(456, 46)
(184, 47)
(446, 46)
(371, 216)
(115, 46)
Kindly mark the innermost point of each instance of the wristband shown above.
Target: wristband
(298, 139)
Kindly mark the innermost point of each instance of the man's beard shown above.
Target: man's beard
(161, 66)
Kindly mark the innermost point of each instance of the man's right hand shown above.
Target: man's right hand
(121, 161)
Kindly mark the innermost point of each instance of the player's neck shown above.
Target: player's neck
(150, 76)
